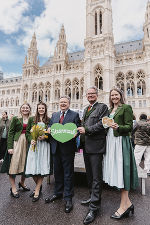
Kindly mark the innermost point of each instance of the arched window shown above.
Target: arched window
(40, 96)
(2, 103)
(75, 85)
(120, 81)
(130, 88)
(47, 92)
(34, 93)
(11, 102)
(130, 84)
(7, 102)
(57, 90)
(25, 95)
(98, 77)
(100, 22)
(95, 23)
(141, 84)
(17, 101)
(68, 88)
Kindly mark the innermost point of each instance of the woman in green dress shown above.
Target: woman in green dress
(15, 158)
(119, 164)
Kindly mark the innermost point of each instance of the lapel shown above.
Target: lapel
(84, 114)
(57, 117)
(21, 120)
(66, 117)
(87, 114)
(118, 110)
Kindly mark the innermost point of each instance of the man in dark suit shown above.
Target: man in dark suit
(63, 156)
(93, 138)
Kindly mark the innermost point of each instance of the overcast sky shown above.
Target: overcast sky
(19, 19)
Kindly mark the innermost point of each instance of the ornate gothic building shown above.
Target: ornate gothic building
(102, 63)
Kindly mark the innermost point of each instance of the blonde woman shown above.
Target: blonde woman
(15, 158)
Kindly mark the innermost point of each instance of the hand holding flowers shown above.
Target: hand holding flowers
(37, 133)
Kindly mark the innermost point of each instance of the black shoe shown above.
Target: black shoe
(86, 202)
(131, 209)
(32, 193)
(15, 195)
(25, 188)
(68, 206)
(90, 217)
(118, 216)
(35, 198)
(52, 198)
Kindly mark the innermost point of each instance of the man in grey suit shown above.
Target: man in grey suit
(63, 156)
(93, 139)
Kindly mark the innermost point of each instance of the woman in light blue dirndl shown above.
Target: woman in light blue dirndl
(39, 156)
(119, 163)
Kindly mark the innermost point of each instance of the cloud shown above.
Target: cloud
(128, 19)
(8, 53)
(9, 75)
(47, 25)
(11, 15)
(127, 23)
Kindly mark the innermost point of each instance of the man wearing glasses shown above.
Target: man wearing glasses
(93, 139)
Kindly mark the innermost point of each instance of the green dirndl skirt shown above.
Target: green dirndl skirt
(129, 165)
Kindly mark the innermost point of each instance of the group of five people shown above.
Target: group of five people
(107, 152)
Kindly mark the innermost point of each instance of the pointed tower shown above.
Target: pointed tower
(31, 63)
(146, 28)
(99, 47)
(61, 47)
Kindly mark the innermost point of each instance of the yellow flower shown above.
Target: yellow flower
(37, 131)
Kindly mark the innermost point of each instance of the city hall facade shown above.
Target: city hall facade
(102, 63)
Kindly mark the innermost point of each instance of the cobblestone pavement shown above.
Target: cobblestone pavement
(23, 212)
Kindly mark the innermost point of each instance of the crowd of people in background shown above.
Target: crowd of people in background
(111, 155)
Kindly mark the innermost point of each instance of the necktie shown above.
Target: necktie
(89, 108)
(62, 117)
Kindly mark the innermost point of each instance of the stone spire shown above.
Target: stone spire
(31, 63)
(61, 47)
(32, 51)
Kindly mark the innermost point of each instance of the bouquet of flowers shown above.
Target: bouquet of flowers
(37, 131)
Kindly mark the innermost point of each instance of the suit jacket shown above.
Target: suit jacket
(95, 134)
(68, 147)
(2, 126)
(124, 118)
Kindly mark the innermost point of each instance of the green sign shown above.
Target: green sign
(63, 133)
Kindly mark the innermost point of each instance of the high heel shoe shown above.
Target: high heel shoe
(120, 216)
(36, 198)
(15, 195)
(131, 209)
(33, 192)
(25, 188)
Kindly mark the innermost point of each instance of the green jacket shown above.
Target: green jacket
(15, 131)
(124, 118)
